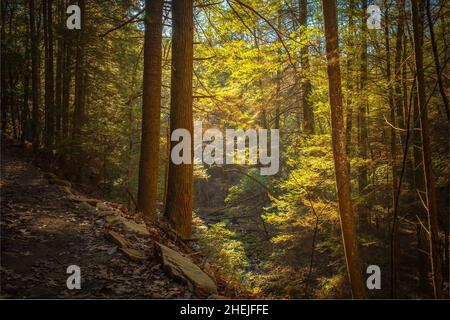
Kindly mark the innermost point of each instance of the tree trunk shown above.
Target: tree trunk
(436, 61)
(25, 118)
(350, 83)
(400, 117)
(12, 104)
(340, 157)
(308, 115)
(35, 76)
(435, 256)
(66, 81)
(49, 76)
(393, 151)
(78, 112)
(59, 66)
(422, 242)
(4, 96)
(180, 184)
(151, 104)
(362, 118)
(25, 123)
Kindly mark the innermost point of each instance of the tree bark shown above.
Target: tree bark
(400, 117)
(393, 151)
(35, 78)
(340, 157)
(431, 197)
(179, 192)
(80, 79)
(66, 82)
(49, 76)
(25, 119)
(350, 82)
(4, 96)
(362, 117)
(422, 242)
(308, 115)
(151, 105)
(59, 66)
(436, 61)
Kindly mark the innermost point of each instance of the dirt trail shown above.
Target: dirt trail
(43, 232)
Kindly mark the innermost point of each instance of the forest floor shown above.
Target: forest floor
(43, 232)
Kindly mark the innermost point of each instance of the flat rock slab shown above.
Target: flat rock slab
(118, 239)
(125, 246)
(133, 254)
(183, 269)
(129, 225)
(90, 201)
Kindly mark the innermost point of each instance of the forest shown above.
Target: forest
(339, 186)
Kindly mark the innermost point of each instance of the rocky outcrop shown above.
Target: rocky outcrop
(129, 225)
(125, 246)
(184, 270)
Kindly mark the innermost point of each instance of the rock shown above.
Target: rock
(103, 210)
(182, 269)
(89, 201)
(118, 239)
(129, 225)
(102, 207)
(125, 246)
(133, 254)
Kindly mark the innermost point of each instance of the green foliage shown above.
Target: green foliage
(223, 247)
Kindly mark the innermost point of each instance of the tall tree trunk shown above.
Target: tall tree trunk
(12, 103)
(25, 123)
(340, 157)
(278, 100)
(13, 110)
(435, 255)
(422, 242)
(362, 117)
(35, 76)
(180, 184)
(151, 105)
(80, 77)
(49, 75)
(59, 66)
(308, 115)
(350, 82)
(409, 174)
(436, 61)
(66, 82)
(4, 96)
(401, 91)
(393, 151)
(25, 119)
(400, 117)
